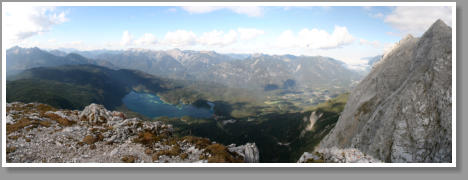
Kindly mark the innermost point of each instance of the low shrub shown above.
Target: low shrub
(220, 154)
(128, 159)
(200, 143)
(89, 139)
(62, 121)
(147, 138)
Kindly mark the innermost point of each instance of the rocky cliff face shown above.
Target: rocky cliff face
(248, 151)
(40, 133)
(402, 111)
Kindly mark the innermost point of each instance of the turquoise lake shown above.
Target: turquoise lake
(152, 106)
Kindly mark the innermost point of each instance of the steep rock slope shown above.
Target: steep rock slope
(402, 111)
(40, 133)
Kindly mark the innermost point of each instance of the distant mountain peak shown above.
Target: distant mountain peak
(439, 23)
(175, 53)
(175, 50)
(75, 56)
(14, 47)
(438, 28)
(138, 50)
(256, 55)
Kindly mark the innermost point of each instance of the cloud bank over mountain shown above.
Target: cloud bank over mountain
(415, 20)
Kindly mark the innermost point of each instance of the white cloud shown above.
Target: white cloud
(127, 39)
(218, 38)
(249, 33)
(371, 12)
(377, 45)
(28, 43)
(76, 43)
(214, 38)
(287, 39)
(186, 38)
(27, 21)
(55, 44)
(146, 39)
(252, 11)
(315, 38)
(179, 38)
(416, 20)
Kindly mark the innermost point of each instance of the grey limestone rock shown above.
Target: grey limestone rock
(38, 133)
(402, 110)
(249, 151)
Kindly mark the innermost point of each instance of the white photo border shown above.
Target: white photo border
(454, 104)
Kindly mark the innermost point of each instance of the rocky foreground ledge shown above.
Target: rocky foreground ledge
(39, 133)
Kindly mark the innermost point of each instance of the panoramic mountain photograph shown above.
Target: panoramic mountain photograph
(240, 84)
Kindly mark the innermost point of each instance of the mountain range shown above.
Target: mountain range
(254, 71)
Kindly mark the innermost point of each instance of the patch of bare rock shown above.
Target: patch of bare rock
(39, 133)
(402, 110)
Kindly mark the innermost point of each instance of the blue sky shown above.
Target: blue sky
(344, 33)
(159, 20)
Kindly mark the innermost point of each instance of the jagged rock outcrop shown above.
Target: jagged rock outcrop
(40, 133)
(249, 151)
(402, 111)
